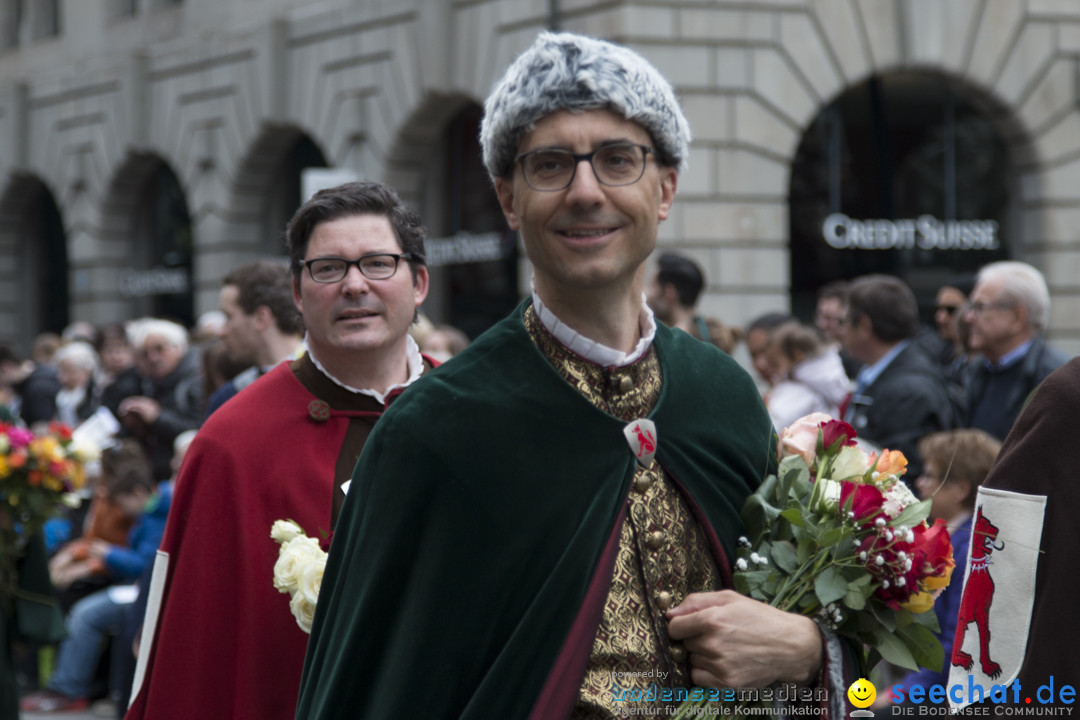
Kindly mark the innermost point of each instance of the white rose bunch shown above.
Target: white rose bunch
(298, 570)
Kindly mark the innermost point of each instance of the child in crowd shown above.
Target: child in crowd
(955, 463)
(129, 479)
(809, 375)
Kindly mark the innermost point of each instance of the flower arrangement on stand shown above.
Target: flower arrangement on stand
(39, 474)
(838, 536)
(298, 570)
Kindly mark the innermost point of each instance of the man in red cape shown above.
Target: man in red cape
(219, 639)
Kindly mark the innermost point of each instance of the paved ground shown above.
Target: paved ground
(100, 709)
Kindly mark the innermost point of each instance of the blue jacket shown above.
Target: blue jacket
(127, 563)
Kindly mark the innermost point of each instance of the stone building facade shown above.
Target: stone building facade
(149, 146)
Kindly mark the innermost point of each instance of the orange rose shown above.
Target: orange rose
(891, 462)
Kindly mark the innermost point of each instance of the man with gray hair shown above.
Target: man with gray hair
(1008, 311)
(165, 397)
(544, 528)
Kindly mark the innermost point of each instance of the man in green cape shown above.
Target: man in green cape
(542, 529)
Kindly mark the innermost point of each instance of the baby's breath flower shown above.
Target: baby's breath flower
(880, 522)
(880, 560)
(740, 564)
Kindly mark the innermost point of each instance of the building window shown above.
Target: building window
(43, 18)
(124, 8)
(11, 12)
(906, 174)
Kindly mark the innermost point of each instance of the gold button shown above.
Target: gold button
(663, 600)
(654, 540)
(678, 652)
(626, 384)
(643, 482)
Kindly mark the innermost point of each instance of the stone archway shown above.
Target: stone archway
(909, 173)
(34, 267)
(147, 223)
(1009, 52)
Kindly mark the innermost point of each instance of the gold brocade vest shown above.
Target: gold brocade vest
(662, 556)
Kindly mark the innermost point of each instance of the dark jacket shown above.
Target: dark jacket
(1040, 361)
(181, 398)
(908, 400)
(38, 395)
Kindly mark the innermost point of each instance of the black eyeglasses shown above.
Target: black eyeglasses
(376, 266)
(947, 309)
(549, 170)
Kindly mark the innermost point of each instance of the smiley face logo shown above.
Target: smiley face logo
(862, 693)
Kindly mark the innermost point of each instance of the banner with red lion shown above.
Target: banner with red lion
(999, 590)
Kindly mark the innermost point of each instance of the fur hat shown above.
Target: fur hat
(564, 71)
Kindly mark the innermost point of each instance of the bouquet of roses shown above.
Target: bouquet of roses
(298, 570)
(837, 535)
(38, 475)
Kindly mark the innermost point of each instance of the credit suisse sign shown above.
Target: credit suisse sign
(925, 233)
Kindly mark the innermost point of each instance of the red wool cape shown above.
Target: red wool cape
(226, 644)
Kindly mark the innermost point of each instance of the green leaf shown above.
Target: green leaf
(924, 646)
(855, 598)
(749, 581)
(783, 554)
(885, 616)
(792, 471)
(830, 586)
(768, 488)
(832, 536)
(913, 514)
(895, 650)
(804, 549)
(793, 516)
(758, 514)
(928, 620)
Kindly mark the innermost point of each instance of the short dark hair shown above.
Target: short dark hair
(838, 289)
(124, 467)
(683, 274)
(888, 302)
(265, 282)
(770, 321)
(355, 198)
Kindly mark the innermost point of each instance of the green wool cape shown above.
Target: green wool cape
(478, 513)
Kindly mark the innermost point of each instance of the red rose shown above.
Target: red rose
(865, 501)
(931, 549)
(836, 434)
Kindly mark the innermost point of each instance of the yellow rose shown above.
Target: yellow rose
(920, 602)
